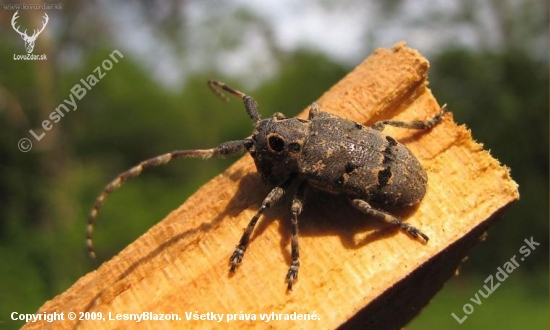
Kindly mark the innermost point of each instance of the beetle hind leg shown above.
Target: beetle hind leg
(365, 207)
(418, 124)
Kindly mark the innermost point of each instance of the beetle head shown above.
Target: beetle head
(276, 146)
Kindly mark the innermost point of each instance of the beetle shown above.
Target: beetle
(324, 152)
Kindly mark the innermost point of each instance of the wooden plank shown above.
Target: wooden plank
(354, 269)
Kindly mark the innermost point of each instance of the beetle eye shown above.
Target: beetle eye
(276, 143)
(294, 147)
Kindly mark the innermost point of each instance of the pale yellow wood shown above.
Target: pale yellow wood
(181, 264)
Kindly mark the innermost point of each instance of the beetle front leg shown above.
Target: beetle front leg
(274, 195)
(296, 209)
(365, 207)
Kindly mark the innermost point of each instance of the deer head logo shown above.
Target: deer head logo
(29, 40)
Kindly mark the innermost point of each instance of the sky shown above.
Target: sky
(347, 31)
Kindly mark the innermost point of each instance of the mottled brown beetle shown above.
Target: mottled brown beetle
(325, 152)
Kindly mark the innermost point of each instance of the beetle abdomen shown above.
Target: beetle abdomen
(349, 158)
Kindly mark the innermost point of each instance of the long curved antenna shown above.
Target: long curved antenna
(224, 149)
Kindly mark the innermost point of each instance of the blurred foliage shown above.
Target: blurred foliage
(45, 194)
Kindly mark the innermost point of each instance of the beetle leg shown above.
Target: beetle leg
(365, 207)
(274, 196)
(296, 209)
(418, 124)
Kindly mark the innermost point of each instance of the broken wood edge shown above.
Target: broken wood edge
(421, 285)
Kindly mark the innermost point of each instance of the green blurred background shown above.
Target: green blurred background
(489, 63)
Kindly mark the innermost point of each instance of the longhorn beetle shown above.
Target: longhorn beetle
(324, 152)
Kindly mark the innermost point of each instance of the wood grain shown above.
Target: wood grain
(355, 271)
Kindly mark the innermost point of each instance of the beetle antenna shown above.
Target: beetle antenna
(224, 149)
(249, 102)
